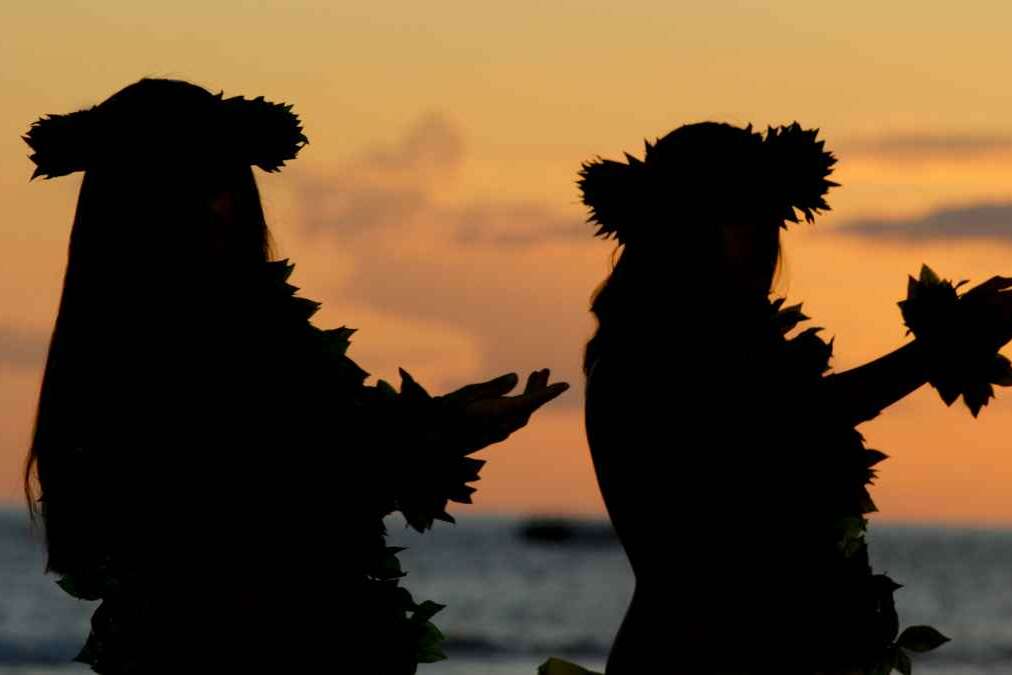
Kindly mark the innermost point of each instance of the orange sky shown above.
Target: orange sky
(436, 211)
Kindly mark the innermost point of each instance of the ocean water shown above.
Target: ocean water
(512, 603)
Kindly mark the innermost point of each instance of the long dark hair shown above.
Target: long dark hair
(638, 286)
(139, 254)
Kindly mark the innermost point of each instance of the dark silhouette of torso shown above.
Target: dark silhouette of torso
(252, 477)
(712, 454)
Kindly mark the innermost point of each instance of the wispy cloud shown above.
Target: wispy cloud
(388, 186)
(432, 143)
(515, 224)
(926, 146)
(395, 185)
(487, 268)
(983, 220)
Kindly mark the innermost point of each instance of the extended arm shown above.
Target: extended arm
(428, 438)
(966, 332)
(861, 393)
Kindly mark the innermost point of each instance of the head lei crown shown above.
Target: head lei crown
(706, 172)
(163, 120)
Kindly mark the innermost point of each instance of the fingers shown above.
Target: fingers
(523, 405)
(998, 282)
(1001, 300)
(496, 417)
(989, 311)
(532, 381)
(499, 386)
(1004, 282)
(995, 283)
(538, 379)
(514, 412)
(488, 399)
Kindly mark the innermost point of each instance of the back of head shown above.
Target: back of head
(670, 211)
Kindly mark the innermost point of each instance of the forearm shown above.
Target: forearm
(862, 393)
(420, 445)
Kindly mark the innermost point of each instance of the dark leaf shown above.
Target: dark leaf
(977, 395)
(427, 610)
(866, 504)
(873, 457)
(948, 391)
(386, 389)
(929, 277)
(410, 389)
(79, 589)
(921, 639)
(470, 468)
(429, 648)
(304, 307)
(462, 494)
(389, 568)
(886, 583)
(902, 662)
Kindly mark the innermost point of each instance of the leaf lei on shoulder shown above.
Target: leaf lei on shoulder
(807, 356)
(963, 365)
(436, 470)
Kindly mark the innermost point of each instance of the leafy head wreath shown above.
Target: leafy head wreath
(705, 171)
(166, 120)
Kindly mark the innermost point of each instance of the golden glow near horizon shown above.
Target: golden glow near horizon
(435, 208)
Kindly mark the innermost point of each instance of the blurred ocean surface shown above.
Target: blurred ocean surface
(513, 601)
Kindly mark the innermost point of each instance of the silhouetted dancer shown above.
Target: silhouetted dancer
(727, 456)
(210, 464)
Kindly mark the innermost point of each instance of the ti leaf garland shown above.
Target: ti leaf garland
(964, 363)
(807, 356)
(434, 472)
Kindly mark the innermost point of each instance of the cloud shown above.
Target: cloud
(516, 224)
(352, 210)
(386, 187)
(505, 281)
(393, 187)
(920, 147)
(983, 220)
(21, 348)
(432, 143)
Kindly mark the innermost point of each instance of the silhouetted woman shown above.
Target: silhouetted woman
(726, 455)
(210, 465)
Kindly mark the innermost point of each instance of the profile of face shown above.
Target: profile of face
(220, 232)
(749, 249)
(214, 205)
(228, 235)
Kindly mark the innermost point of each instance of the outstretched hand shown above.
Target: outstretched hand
(492, 415)
(988, 308)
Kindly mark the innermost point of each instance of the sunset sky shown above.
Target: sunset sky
(435, 208)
